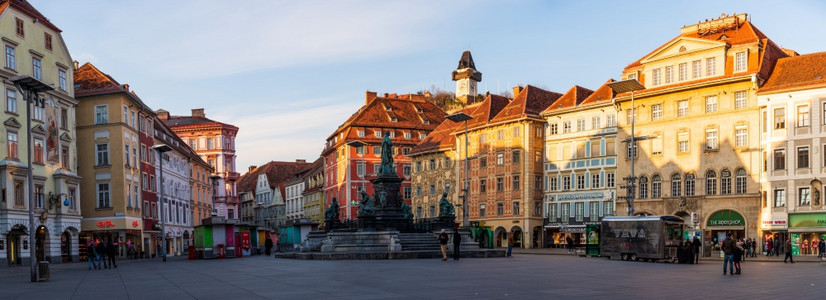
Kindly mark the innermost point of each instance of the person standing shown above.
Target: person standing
(738, 256)
(457, 241)
(789, 251)
(754, 248)
(443, 244)
(695, 244)
(101, 254)
(728, 258)
(820, 246)
(570, 242)
(510, 242)
(112, 252)
(769, 247)
(268, 246)
(92, 254)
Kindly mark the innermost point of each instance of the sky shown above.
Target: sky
(288, 73)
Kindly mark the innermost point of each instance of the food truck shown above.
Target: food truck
(647, 238)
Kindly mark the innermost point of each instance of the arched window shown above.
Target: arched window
(711, 183)
(643, 187)
(740, 183)
(725, 182)
(656, 186)
(689, 184)
(676, 185)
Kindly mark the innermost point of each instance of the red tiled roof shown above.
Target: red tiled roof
(490, 107)
(27, 8)
(278, 174)
(572, 98)
(182, 122)
(529, 103)
(603, 94)
(797, 72)
(441, 137)
(91, 81)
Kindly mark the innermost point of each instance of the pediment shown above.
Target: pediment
(682, 46)
(38, 129)
(65, 137)
(12, 122)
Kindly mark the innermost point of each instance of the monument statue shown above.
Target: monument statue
(383, 199)
(445, 207)
(816, 196)
(386, 156)
(367, 206)
(408, 213)
(331, 214)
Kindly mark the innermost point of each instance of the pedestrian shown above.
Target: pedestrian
(747, 248)
(695, 245)
(277, 243)
(570, 244)
(778, 247)
(112, 252)
(738, 256)
(92, 254)
(457, 241)
(754, 248)
(769, 247)
(443, 244)
(820, 246)
(728, 258)
(788, 253)
(267, 246)
(101, 253)
(510, 242)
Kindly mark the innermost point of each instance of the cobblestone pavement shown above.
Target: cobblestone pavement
(524, 276)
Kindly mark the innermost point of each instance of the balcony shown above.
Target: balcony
(231, 176)
(227, 199)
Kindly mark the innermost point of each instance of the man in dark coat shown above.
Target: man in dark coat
(101, 249)
(112, 252)
(695, 244)
(91, 253)
(268, 246)
(457, 241)
(728, 258)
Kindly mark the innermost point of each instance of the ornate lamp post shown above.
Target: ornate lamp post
(630, 85)
(162, 148)
(29, 87)
(459, 117)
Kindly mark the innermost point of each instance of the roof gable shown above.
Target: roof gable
(529, 103)
(89, 80)
(440, 138)
(681, 46)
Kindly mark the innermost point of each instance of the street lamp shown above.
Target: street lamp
(162, 148)
(360, 145)
(630, 85)
(459, 117)
(29, 87)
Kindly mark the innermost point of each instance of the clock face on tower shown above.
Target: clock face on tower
(461, 87)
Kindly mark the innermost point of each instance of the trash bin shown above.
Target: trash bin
(43, 270)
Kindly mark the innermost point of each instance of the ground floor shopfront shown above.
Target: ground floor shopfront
(528, 232)
(122, 231)
(55, 239)
(806, 230)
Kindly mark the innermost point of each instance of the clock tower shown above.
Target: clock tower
(466, 77)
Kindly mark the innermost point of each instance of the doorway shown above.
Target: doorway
(66, 246)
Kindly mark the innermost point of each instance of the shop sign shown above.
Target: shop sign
(807, 220)
(579, 196)
(570, 229)
(774, 222)
(726, 218)
(105, 224)
(134, 223)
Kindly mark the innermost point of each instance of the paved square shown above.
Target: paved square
(524, 276)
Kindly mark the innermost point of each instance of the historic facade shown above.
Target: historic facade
(314, 192)
(407, 119)
(266, 187)
(34, 47)
(580, 162)
(792, 172)
(700, 158)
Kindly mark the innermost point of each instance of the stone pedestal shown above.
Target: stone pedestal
(313, 241)
(389, 214)
(362, 241)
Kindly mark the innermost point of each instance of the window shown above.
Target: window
(432, 165)
(38, 151)
(64, 153)
(407, 192)
(566, 127)
(376, 150)
(11, 101)
(711, 139)
(553, 214)
(669, 74)
(500, 184)
(802, 157)
(579, 208)
(656, 186)
(657, 144)
(710, 66)
(64, 118)
(483, 185)
(38, 196)
(554, 125)
(418, 191)
(500, 159)
(803, 196)
(580, 125)
(408, 135)
(655, 77)
(72, 199)
(780, 159)
(483, 162)
(126, 154)
(630, 150)
(37, 69)
(803, 116)
(711, 183)
(101, 114)
(595, 122)
(19, 193)
(566, 183)
(610, 121)
(516, 209)
(481, 210)
(608, 208)
(405, 170)
(779, 198)
(594, 181)
(682, 108)
(19, 27)
(696, 69)
(609, 179)
(656, 112)
(432, 189)
(103, 196)
(515, 131)
(537, 182)
(779, 118)
(725, 182)
(740, 100)
(128, 195)
(102, 155)
(683, 72)
(515, 157)
(11, 137)
(643, 193)
(593, 212)
(676, 185)
(682, 142)
(711, 104)
(580, 182)
(47, 41)
(740, 61)
(553, 183)
(741, 137)
(10, 60)
(631, 114)
(689, 184)
(565, 212)
(360, 169)
(37, 113)
(418, 167)
(740, 182)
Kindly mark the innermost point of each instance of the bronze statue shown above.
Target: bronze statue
(386, 156)
(383, 199)
(445, 207)
(331, 214)
(366, 205)
(408, 213)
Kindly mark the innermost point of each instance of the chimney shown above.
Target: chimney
(75, 63)
(125, 86)
(301, 161)
(369, 96)
(516, 90)
(198, 113)
(252, 168)
(162, 114)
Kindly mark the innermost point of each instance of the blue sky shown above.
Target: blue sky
(289, 72)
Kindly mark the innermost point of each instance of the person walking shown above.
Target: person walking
(570, 242)
(754, 248)
(820, 246)
(789, 252)
(111, 253)
(738, 256)
(92, 254)
(769, 247)
(443, 244)
(510, 242)
(457, 241)
(746, 248)
(268, 246)
(695, 244)
(101, 254)
(728, 258)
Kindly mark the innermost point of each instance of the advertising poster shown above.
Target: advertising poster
(52, 142)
